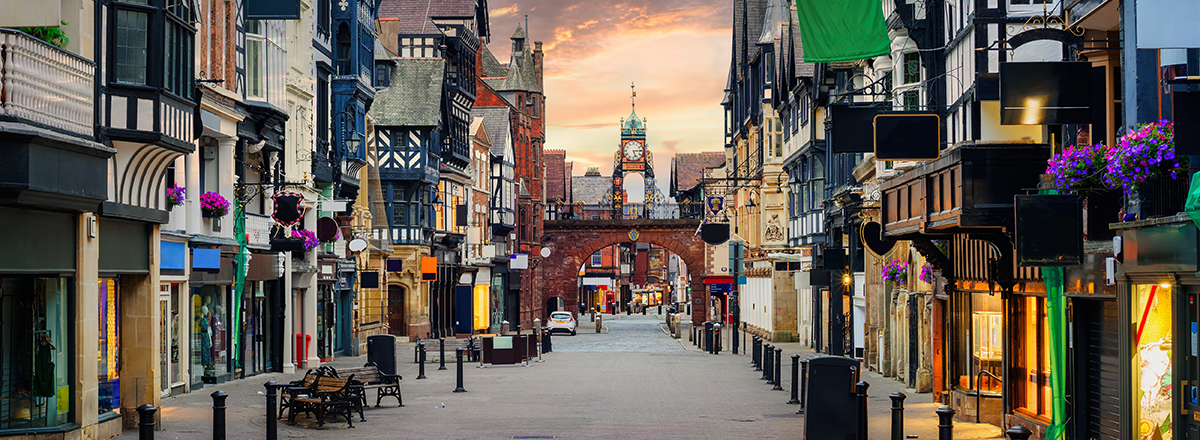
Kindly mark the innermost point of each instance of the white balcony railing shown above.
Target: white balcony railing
(46, 85)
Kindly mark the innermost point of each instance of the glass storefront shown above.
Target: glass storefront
(35, 352)
(210, 333)
(170, 331)
(109, 356)
(978, 336)
(1153, 341)
(325, 320)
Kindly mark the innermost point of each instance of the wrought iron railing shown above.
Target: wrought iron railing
(46, 85)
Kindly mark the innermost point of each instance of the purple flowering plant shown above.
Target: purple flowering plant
(310, 238)
(895, 272)
(1146, 152)
(213, 204)
(1080, 167)
(927, 273)
(175, 195)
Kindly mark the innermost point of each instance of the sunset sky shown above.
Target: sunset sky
(676, 51)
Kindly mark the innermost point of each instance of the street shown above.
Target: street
(634, 382)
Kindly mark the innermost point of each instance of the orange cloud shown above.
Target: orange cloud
(501, 12)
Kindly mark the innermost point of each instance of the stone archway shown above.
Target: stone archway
(572, 241)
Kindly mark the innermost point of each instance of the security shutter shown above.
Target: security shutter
(1103, 374)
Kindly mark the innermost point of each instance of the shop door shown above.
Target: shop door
(164, 328)
(1191, 393)
(396, 311)
(1097, 357)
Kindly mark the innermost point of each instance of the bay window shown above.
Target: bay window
(130, 46)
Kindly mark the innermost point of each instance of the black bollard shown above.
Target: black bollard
(146, 421)
(795, 380)
(421, 364)
(778, 377)
(803, 384)
(716, 346)
(460, 388)
(767, 367)
(219, 414)
(860, 392)
(734, 338)
(272, 418)
(945, 423)
(897, 415)
(417, 353)
(757, 356)
(1018, 433)
(442, 354)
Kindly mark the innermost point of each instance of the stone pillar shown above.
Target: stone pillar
(310, 293)
(699, 299)
(289, 332)
(140, 337)
(87, 327)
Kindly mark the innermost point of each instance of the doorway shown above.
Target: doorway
(397, 325)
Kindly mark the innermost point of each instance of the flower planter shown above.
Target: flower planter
(287, 245)
(208, 213)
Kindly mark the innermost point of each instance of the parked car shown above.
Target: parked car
(561, 321)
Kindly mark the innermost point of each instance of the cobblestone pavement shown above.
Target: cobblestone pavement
(633, 382)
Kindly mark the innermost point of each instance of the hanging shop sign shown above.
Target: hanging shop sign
(872, 238)
(851, 128)
(327, 229)
(908, 136)
(288, 208)
(428, 268)
(1049, 230)
(1045, 93)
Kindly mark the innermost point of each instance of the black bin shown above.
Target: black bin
(830, 401)
(381, 351)
(546, 346)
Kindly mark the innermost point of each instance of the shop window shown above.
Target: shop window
(1153, 341)
(109, 347)
(35, 353)
(209, 333)
(1031, 358)
(978, 339)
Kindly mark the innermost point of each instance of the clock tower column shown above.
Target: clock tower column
(632, 157)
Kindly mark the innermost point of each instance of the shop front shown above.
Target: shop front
(1158, 303)
(262, 316)
(343, 291)
(327, 308)
(173, 314)
(211, 284)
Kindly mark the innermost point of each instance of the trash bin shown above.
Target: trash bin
(829, 398)
(381, 351)
(546, 347)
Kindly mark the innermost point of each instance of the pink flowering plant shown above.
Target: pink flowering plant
(927, 273)
(1145, 153)
(310, 238)
(895, 272)
(1080, 167)
(213, 204)
(175, 195)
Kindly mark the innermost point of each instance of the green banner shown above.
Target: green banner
(242, 262)
(1056, 331)
(842, 30)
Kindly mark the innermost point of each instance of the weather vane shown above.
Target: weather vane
(633, 96)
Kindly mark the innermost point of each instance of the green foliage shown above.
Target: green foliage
(50, 34)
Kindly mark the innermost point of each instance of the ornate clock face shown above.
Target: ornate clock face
(633, 150)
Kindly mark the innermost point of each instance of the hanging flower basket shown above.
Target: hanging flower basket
(309, 237)
(895, 272)
(1145, 153)
(927, 273)
(213, 205)
(1081, 167)
(175, 196)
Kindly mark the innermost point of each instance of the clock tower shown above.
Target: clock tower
(633, 157)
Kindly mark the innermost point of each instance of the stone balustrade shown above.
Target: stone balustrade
(46, 85)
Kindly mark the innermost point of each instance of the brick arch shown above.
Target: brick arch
(572, 241)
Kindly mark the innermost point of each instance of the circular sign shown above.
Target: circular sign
(327, 229)
(357, 245)
(633, 235)
(545, 252)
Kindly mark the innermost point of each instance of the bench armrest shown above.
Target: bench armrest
(391, 377)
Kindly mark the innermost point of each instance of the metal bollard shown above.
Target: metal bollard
(734, 338)
(716, 348)
(272, 418)
(460, 388)
(1018, 433)
(757, 356)
(795, 380)
(417, 353)
(945, 423)
(442, 353)
(146, 421)
(767, 367)
(778, 377)
(803, 385)
(897, 415)
(421, 365)
(219, 414)
(860, 392)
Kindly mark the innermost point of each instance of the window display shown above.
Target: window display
(979, 338)
(109, 356)
(209, 353)
(1153, 339)
(1031, 358)
(35, 353)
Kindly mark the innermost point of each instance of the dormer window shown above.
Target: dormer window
(424, 47)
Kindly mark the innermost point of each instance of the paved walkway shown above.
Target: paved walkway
(634, 381)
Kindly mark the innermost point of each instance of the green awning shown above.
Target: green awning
(842, 30)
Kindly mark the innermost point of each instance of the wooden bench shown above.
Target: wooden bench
(329, 396)
(370, 377)
(285, 397)
(469, 345)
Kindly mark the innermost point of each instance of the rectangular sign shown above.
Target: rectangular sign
(1173, 25)
(638, 166)
(518, 261)
(851, 128)
(272, 9)
(481, 306)
(1043, 93)
(908, 136)
(428, 268)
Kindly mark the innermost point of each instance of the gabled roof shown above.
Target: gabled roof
(803, 69)
(496, 120)
(381, 53)
(688, 168)
(521, 75)
(519, 33)
(589, 190)
(414, 97)
(776, 15)
(491, 66)
(479, 132)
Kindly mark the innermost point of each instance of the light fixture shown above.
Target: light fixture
(352, 143)
(846, 279)
(1165, 285)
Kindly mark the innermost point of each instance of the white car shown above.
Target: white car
(561, 321)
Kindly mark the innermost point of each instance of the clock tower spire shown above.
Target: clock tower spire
(633, 157)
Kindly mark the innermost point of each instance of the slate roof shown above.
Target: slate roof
(688, 168)
(519, 33)
(589, 190)
(521, 74)
(415, 95)
(803, 69)
(409, 9)
(491, 66)
(776, 15)
(496, 120)
(381, 53)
